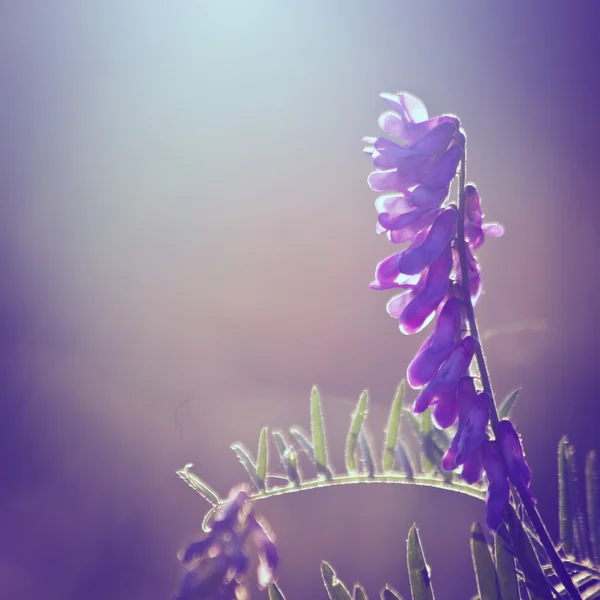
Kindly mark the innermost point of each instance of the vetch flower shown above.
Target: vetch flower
(498, 492)
(504, 463)
(444, 385)
(438, 346)
(217, 564)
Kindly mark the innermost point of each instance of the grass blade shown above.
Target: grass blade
(485, 571)
(506, 569)
(591, 491)
(197, 484)
(262, 458)
(335, 588)
(391, 430)
(508, 403)
(318, 435)
(358, 418)
(418, 570)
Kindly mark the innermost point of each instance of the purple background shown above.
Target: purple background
(186, 243)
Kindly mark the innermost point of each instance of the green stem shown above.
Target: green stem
(530, 507)
(420, 480)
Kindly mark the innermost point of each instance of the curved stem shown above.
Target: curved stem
(420, 480)
(530, 507)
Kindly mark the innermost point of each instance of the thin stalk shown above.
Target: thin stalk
(420, 480)
(530, 507)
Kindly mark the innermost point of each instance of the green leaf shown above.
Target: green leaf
(335, 588)
(262, 459)
(506, 569)
(302, 438)
(318, 435)
(275, 593)
(389, 593)
(404, 461)
(591, 489)
(358, 418)
(391, 430)
(358, 592)
(508, 403)
(537, 584)
(418, 570)
(366, 453)
(288, 458)
(197, 484)
(485, 571)
(245, 457)
(576, 513)
(564, 501)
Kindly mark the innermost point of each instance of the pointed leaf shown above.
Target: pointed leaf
(288, 458)
(302, 438)
(485, 571)
(565, 510)
(245, 457)
(389, 593)
(506, 569)
(358, 593)
(591, 488)
(262, 459)
(578, 515)
(391, 430)
(358, 418)
(366, 453)
(508, 403)
(404, 461)
(538, 585)
(275, 593)
(318, 434)
(197, 484)
(335, 588)
(418, 570)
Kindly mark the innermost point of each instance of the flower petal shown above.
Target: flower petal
(422, 308)
(416, 258)
(498, 492)
(446, 381)
(438, 346)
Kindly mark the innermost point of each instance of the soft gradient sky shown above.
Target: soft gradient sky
(186, 243)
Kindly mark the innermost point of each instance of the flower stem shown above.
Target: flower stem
(419, 480)
(530, 507)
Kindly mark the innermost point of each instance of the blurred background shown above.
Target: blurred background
(186, 243)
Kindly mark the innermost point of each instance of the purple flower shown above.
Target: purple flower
(475, 228)
(504, 463)
(416, 170)
(519, 472)
(438, 346)
(217, 564)
(466, 446)
(498, 492)
(443, 387)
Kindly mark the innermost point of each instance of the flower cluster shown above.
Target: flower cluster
(217, 564)
(416, 174)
